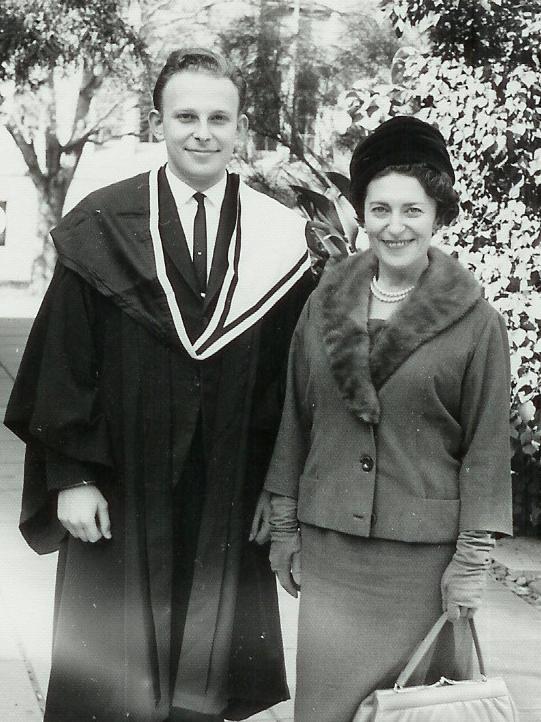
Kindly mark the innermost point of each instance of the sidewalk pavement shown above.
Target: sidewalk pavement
(510, 629)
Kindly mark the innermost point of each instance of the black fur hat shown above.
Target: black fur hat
(403, 140)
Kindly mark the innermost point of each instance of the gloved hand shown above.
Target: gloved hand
(285, 545)
(464, 580)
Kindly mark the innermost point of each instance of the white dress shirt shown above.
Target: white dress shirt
(187, 208)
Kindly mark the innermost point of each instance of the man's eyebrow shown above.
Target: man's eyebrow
(189, 109)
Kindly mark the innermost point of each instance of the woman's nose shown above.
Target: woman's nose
(396, 224)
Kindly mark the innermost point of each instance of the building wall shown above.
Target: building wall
(19, 243)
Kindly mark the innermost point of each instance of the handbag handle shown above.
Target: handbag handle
(427, 642)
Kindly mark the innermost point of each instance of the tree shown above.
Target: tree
(43, 43)
(294, 72)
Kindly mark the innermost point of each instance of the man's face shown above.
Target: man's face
(200, 124)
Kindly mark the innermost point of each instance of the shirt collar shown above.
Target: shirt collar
(183, 193)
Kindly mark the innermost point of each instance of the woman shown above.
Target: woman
(393, 452)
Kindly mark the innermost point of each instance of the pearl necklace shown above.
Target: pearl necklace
(388, 296)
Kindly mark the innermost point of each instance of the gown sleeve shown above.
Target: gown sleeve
(293, 441)
(277, 331)
(270, 384)
(55, 406)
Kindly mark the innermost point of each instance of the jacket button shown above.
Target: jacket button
(367, 463)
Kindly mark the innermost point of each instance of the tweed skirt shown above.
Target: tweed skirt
(365, 605)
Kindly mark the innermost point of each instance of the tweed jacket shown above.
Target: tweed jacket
(409, 439)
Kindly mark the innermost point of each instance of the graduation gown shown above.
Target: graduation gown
(130, 379)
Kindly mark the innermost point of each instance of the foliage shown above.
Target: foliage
(478, 32)
(43, 44)
(479, 82)
(39, 36)
(293, 73)
(526, 493)
(332, 228)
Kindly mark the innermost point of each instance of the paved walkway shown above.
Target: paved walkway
(510, 629)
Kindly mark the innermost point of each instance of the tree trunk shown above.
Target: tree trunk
(50, 205)
(52, 191)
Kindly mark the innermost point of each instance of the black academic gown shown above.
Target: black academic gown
(105, 390)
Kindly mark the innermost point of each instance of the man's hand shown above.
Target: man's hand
(285, 561)
(83, 511)
(260, 531)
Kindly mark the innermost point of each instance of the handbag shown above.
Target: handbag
(483, 700)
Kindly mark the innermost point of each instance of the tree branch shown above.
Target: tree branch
(116, 136)
(188, 16)
(89, 85)
(74, 143)
(28, 152)
(149, 14)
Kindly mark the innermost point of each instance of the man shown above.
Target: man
(149, 396)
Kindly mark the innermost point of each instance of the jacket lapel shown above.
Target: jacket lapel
(444, 294)
(174, 238)
(226, 226)
(172, 234)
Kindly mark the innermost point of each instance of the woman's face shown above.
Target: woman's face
(400, 220)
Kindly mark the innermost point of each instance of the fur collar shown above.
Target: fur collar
(444, 294)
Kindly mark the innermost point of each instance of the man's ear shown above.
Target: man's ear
(242, 124)
(156, 123)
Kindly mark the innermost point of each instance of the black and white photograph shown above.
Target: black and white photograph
(270, 360)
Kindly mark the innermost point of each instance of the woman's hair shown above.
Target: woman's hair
(198, 59)
(437, 184)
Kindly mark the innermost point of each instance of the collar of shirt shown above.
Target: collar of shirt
(187, 208)
(183, 193)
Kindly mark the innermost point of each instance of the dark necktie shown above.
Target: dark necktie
(200, 242)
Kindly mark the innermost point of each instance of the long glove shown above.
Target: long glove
(285, 545)
(464, 580)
